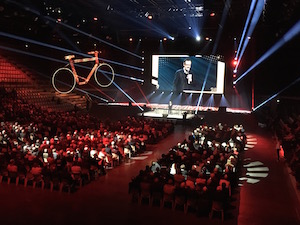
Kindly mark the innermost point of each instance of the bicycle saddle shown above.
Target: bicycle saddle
(69, 57)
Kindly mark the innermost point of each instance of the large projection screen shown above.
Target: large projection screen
(165, 66)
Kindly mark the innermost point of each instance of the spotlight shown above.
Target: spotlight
(212, 14)
(150, 17)
(165, 38)
(172, 38)
(190, 28)
(198, 38)
(235, 70)
(234, 75)
(234, 62)
(130, 39)
(95, 18)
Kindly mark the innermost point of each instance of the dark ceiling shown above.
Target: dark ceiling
(117, 20)
(72, 24)
(124, 18)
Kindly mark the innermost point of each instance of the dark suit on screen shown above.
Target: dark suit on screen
(180, 82)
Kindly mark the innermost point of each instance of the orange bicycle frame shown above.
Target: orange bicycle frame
(72, 62)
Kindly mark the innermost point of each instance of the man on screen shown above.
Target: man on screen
(183, 79)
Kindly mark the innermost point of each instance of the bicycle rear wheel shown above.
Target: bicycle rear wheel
(104, 75)
(63, 80)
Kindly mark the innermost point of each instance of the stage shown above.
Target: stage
(163, 111)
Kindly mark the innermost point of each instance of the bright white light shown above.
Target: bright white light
(172, 38)
(198, 38)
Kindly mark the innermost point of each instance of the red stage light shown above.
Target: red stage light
(234, 62)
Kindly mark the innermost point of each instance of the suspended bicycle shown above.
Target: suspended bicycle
(64, 79)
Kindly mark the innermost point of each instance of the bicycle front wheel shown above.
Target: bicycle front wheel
(104, 75)
(63, 80)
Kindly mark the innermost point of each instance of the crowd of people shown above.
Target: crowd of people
(199, 171)
(284, 122)
(66, 147)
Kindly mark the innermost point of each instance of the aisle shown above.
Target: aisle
(267, 195)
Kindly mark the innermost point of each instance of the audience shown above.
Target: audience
(202, 169)
(59, 144)
(284, 123)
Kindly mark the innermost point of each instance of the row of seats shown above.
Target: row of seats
(69, 148)
(196, 174)
(9, 73)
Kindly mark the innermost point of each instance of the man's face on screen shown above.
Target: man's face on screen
(187, 65)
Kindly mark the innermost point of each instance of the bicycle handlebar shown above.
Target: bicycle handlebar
(92, 52)
(67, 57)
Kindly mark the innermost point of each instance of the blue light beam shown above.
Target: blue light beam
(246, 26)
(293, 32)
(274, 96)
(63, 62)
(73, 28)
(255, 18)
(220, 30)
(44, 57)
(64, 49)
